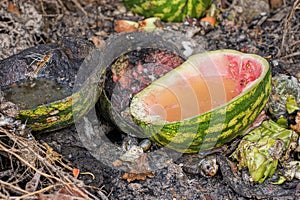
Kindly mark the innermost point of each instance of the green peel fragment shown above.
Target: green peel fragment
(261, 149)
(282, 121)
(285, 96)
(291, 104)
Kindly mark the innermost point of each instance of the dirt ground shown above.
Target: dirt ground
(271, 33)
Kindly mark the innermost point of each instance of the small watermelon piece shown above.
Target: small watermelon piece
(127, 75)
(43, 81)
(170, 11)
(205, 102)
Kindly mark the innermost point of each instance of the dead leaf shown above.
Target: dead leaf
(12, 8)
(125, 26)
(211, 20)
(139, 170)
(296, 127)
(132, 176)
(76, 172)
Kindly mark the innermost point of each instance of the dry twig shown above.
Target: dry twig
(288, 27)
(56, 178)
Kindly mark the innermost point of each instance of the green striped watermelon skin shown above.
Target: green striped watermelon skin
(167, 10)
(48, 117)
(218, 126)
(61, 113)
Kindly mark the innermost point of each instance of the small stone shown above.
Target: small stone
(187, 46)
(145, 144)
(135, 186)
(132, 154)
(241, 38)
(275, 62)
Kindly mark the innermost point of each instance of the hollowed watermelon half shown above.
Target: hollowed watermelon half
(130, 67)
(205, 102)
(126, 76)
(41, 80)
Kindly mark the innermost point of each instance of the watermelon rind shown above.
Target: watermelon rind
(70, 66)
(215, 127)
(170, 11)
(61, 113)
(135, 41)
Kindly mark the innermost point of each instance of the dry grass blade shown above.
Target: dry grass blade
(25, 162)
(289, 30)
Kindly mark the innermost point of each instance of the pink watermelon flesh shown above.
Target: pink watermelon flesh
(194, 90)
(138, 70)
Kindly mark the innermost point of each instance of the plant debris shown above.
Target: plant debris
(146, 25)
(35, 170)
(139, 170)
(296, 126)
(263, 148)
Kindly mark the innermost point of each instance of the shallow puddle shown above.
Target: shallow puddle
(187, 98)
(31, 93)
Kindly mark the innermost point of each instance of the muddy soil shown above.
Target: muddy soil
(273, 34)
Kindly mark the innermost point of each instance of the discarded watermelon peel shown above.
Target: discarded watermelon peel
(219, 124)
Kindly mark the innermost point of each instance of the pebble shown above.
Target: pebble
(132, 154)
(187, 46)
(129, 142)
(241, 38)
(135, 186)
(275, 63)
(145, 144)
